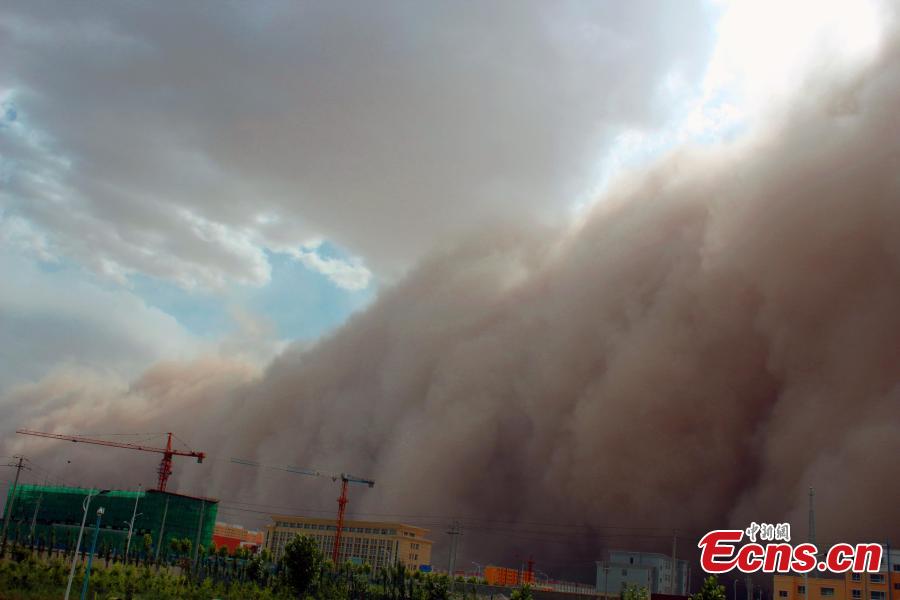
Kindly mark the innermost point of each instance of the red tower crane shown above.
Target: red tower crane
(345, 479)
(342, 505)
(165, 465)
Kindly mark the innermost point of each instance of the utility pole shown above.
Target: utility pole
(674, 562)
(10, 504)
(811, 538)
(812, 516)
(749, 583)
(162, 530)
(454, 533)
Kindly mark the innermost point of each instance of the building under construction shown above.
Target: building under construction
(52, 515)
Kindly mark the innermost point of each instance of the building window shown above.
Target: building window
(897, 586)
(876, 578)
(857, 594)
(827, 592)
(801, 589)
(856, 577)
(782, 593)
(877, 595)
(897, 567)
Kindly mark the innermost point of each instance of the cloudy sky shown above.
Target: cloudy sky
(186, 179)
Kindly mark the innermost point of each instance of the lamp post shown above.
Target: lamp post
(130, 533)
(478, 570)
(87, 572)
(134, 515)
(85, 504)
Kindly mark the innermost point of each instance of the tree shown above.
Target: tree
(524, 593)
(301, 562)
(635, 592)
(256, 570)
(710, 590)
(186, 546)
(148, 546)
(437, 587)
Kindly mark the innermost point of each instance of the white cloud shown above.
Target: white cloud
(349, 274)
(184, 147)
(55, 317)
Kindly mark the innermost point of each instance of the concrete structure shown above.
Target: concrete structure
(235, 536)
(846, 586)
(56, 513)
(644, 569)
(374, 542)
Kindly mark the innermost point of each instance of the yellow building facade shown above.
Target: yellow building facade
(847, 586)
(376, 543)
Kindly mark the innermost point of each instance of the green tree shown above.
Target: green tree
(710, 590)
(148, 546)
(635, 592)
(301, 562)
(437, 587)
(524, 593)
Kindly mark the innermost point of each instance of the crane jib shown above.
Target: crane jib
(165, 467)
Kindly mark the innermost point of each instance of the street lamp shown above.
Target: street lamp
(134, 515)
(87, 572)
(85, 504)
(478, 570)
(130, 532)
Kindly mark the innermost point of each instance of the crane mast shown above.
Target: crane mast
(345, 480)
(165, 465)
(342, 506)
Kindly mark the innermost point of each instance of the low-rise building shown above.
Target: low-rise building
(495, 575)
(884, 585)
(374, 542)
(234, 537)
(644, 569)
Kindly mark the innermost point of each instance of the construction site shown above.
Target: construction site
(153, 526)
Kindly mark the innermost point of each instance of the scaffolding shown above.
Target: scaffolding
(51, 516)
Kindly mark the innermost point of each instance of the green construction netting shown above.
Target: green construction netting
(55, 515)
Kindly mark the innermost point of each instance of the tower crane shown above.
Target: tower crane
(342, 505)
(345, 479)
(165, 465)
